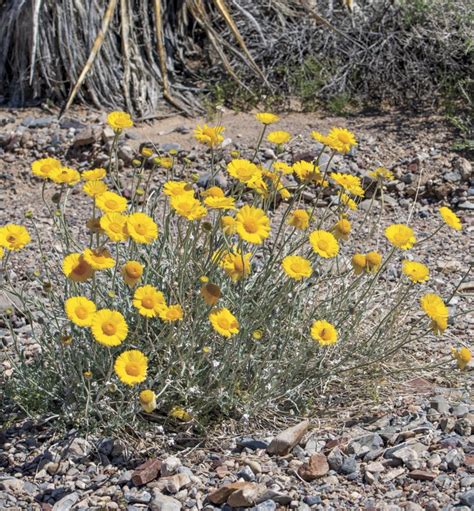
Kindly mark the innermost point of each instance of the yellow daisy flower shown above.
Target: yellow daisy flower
(462, 356)
(210, 293)
(344, 138)
(253, 224)
(45, 167)
(400, 236)
(324, 243)
(282, 167)
(435, 309)
(94, 174)
(14, 237)
(342, 229)
(347, 201)
(235, 264)
(147, 400)
(306, 170)
(80, 310)
(65, 175)
(228, 225)
(119, 121)
(141, 228)
(243, 170)
(450, 218)
(279, 137)
(171, 313)
(188, 207)
(220, 202)
(98, 259)
(373, 262)
(224, 322)
(76, 268)
(209, 135)
(131, 367)
(351, 184)
(115, 226)
(297, 267)
(111, 202)
(359, 262)
(176, 188)
(267, 118)
(132, 272)
(148, 300)
(94, 188)
(416, 272)
(381, 174)
(324, 332)
(213, 191)
(109, 327)
(299, 219)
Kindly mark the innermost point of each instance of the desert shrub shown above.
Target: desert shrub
(200, 302)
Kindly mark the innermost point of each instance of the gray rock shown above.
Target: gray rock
(349, 466)
(169, 466)
(463, 426)
(466, 205)
(78, 448)
(66, 503)
(246, 474)
(206, 180)
(460, 410)
(42, 122)
(452, 177)
(11, 484)
(454, 459)
(167, 147)
(440, 404)
(335, 459)
(312, 500)
(286, 440)
(360, 446)
(251, 443)
(405, 455)
(160, 502)
(135, 496)
(267, 505)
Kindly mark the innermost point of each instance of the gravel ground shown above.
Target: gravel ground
(411, 449)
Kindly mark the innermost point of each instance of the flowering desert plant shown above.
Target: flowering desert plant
(206, 302)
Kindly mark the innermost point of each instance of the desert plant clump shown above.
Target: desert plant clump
(201, 303)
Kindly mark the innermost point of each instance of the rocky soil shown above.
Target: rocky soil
(412, 449)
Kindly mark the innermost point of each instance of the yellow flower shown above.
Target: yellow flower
(373, 261)
(324, 243)
(147, 400)
(416, 272)
(323, 332)
(323, 139)
(14, 237)
(94, 188)
(188, 207)
(171, 313)
(180, 413)
(2, 253)
(141, 228)
(76, 268)
(119, 121)
(297, 267)
(132, 272)
(235, 264)
(44, 167)
(344, 138)
(228, 225)
(253, 224)
(381, 174)
(401, 236)
(176, 188)
(94, 174)
(257, 334)
(204, 279)
(258, 184)
(115, 226)
(306, 170)
(220, 202)
(450, 218)
(164, 162)
(110, 202)
(243, 170)
(299, 219)
(282, 167)
(347, 201)
(210, 293)
(87, 374)
(342, 229)
(109, 327)
(99, 259)
(352, 184)
(131, 367)
(435, 309)
(462, 356)
(359, 262)
(209, 135)
(279, 137)
(224, 322)
(213, 191)
(267, 118)
(65, 175)
(80, 310)
(148, 300)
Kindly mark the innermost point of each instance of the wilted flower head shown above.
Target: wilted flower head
(209, 135)
(450, 218)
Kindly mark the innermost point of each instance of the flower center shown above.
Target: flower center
(323, 244)
(81, 268)
(109, 328)
(148, 302)
(81, 312)
(224, 323)
(251, 225)
(133, 272)
(296, 267)
(140, 228)
(325, 334)
(111, 203)
(11, 238)
(239, 264)
(115, 227)
(132, 369)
